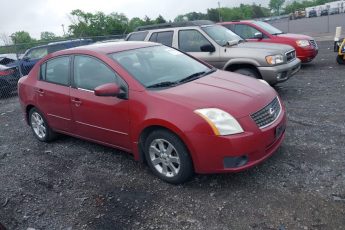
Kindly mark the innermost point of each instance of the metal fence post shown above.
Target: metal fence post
(328, 22)
(17, 55)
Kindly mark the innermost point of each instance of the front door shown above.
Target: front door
(52, 93)
(191, 41)
(104, 119)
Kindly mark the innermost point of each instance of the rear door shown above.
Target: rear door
(52, 93)
(191, 41)
(104, 119)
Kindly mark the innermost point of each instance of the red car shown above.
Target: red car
(258, 31)
(164, 107)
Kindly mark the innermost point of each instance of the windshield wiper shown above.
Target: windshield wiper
(197, 75)
(162, 84)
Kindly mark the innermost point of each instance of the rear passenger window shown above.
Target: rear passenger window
(56, 71)
(191, 40)
(138, 36)
(164, 38)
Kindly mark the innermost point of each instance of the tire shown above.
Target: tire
(40, 126)
(248, 72)
(340, 60)
(168, 157)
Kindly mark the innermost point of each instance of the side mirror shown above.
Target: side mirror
(207, 48)
(107, 90)
(258, 35)
(26, 58)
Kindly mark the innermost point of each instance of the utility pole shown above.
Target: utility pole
(63, 30)
(220, 17)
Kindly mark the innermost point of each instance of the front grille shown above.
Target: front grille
(313, 43)
(268, 114)
(291, 55)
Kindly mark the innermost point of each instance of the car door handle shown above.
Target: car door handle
(39, 91)
(77, 101)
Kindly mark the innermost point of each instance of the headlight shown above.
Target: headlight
(302, 43)
(275, 59)
(222, 123)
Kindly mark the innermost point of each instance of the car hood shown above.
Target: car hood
(237, 94)
(267, 47)
(295, 36)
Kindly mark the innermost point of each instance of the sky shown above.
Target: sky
(35, 16)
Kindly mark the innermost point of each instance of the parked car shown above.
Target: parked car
(223, 49)
(334, 11)
(177, 113)
(33, 55)
(6, 59)
(312, 13)
(9, 77)
(257, 31)
(324, 12)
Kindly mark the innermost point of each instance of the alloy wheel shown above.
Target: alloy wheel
(164, 157)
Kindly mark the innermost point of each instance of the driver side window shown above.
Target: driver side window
(90, 73)
(245, 31)
(191, 41)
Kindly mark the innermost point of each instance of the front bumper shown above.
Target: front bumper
(211, 153)
(307, 55)
(280, 73)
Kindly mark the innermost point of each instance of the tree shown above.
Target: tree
(160, 20)
(276, 5)
(21, 37)
(98, 24)
(48, 36)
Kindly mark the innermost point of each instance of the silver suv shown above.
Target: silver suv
(224, 49)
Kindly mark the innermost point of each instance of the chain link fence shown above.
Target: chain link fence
(18, 59)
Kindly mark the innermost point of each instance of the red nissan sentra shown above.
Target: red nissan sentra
(169, 109)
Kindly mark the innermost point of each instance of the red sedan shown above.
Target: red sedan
(169, 109)
(305, 46)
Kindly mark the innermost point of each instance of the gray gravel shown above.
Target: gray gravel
(74, 184)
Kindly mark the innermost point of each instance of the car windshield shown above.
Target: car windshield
(267, 27)
(220, 34)
(160, 66)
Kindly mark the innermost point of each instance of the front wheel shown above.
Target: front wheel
(341, 60)
(248, 72)
(168, 157)
(40, 127)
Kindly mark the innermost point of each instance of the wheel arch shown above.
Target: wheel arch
(164, 125)
(236, 66)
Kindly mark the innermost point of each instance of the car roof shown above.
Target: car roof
(113, 47)
(174, 25)
(235, 21)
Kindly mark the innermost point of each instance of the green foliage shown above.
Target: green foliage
(21, 37)
(276, 5)
(160, 19)
(48, 36)
(87, 24)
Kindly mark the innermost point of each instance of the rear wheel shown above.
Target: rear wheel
(40, 127)
(168, 157)
(248, 72)
(340, 60)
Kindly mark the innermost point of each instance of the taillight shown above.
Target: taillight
(6, 72)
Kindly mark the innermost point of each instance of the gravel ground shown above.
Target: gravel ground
(74, 184)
